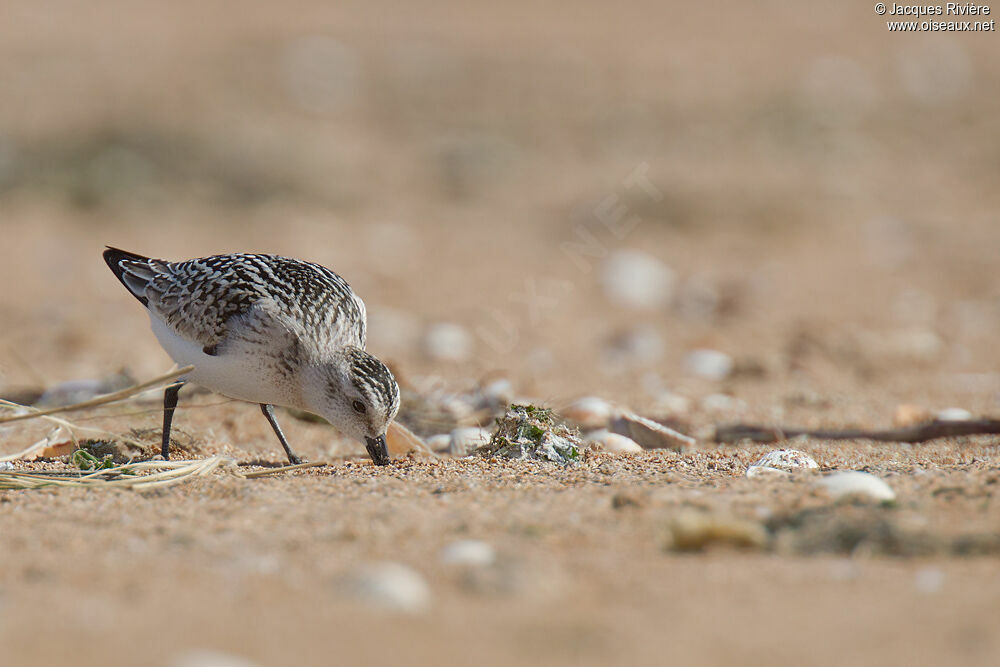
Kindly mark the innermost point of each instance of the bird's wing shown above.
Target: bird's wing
(210, 299)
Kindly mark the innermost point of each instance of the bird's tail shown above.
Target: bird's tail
(123, 264)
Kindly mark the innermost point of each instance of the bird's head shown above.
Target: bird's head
(357, 394)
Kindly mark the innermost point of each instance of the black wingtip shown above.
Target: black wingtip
(113, 257)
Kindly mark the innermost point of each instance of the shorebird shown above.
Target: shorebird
(268, 330)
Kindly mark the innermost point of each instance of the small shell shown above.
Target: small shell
(499, 392)
(695, 531)
(613, 442)
(401, 441)
(440, 442)
(650, 434)
(463, 441)
(390, 586)
(855, 482)
(468, 553)
(953, 415)
(446, 341)
(910, 415)
(589, 412)
(710, 364)
(637, 279)
(782, 461)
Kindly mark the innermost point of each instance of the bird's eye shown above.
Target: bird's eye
(359, 407)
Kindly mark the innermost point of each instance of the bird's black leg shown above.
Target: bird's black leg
(169, 403)
(268, 411)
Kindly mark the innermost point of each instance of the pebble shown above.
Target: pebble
(929, 580)
(447, 341)
(463, 441)
(589, 412)
(637, 279)
(498, 393)
(6, 465)
(695, 531)
(439, 442)
(910, 344)
(781, 461)
(613, 442)
(910, 415)
(209, 658)
(390, 586)
(709, 364)
(855, 482)
(468, 553)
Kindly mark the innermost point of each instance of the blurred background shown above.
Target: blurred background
(773, 212)
(577, 197)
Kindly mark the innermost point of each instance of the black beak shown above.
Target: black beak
(377, 450)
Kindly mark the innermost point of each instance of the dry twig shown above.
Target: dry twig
(733, 433)
(94, 402)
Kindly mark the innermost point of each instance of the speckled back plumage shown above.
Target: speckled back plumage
(271, 295)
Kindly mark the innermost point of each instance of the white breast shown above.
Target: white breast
(242, 372)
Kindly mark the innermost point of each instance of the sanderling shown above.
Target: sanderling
(269, 330)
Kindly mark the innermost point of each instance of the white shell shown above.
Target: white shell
(929, 579)
(710, 364)
(953, 415)
(781, 461)
(499, 392)
(636, 279)
(468, 553)
(391, 586)
(464, 440)
(855, 482)
(439, 442)
(589, 412)
(651, 434)
(613, 442)
(446, 341)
